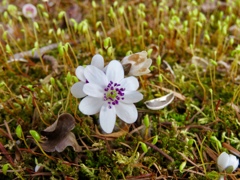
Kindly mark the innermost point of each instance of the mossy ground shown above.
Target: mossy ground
(191, 132)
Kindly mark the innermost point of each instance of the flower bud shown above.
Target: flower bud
(29, 11)
(140, 63)
(35, 135)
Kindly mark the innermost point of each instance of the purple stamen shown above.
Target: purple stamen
(113, 94)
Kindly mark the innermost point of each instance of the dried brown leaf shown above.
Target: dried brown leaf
(59, 135)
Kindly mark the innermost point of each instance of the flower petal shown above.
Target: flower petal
(132, 97)
(77, 90)
(107, 118)
(115, 71)
(127, 112)
(90, 105)
(141, 69)
(233, 161)
(222, 161)
(95, 76)
(130, 83)
(79, 73)
(98, 61)
(93, 90)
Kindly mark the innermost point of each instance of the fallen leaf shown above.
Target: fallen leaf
(59, 135)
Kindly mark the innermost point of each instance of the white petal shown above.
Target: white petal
(160, 103)
(77, 90)
(96, 76)
(148, 63)
(141, 69)
(125, 60)
(127, 112)
(37, 167)
(115, 71)
(98, 61)
(130, 83)
(107, 118)
(233, 161)
(140, 72)
(79, 73)
(90, 105)
(222, 161)
(132, 97)
(93, 90)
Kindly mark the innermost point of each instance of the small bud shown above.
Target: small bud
(121, 10)
(36, 25)
(66, 46)
(69, 78)
(12, 9)
(19, 131)
(128, 32)
(182, 166)
(207, 37)
(160, 78)
(144, 147)
(61, 14)
(58, 31)
(231, 41)
(5, 168)
(98, 34)
(98, 24)
(50, 31)
(190, 142)
(218, 143)
(52, 80)
(36, 45)
(115, 4)
(46, 15)
(35, 135)
(5, 35)
(94, 5)
(106, 42)
(199, 24)
(155, 140)
(8, 49)
(159, 59)
(60, 49)
(85, 28)
(149, 52)
(110, 51)
(146, 121)
(40, 6)
(5, 15)
(213, 62)
(75, 24)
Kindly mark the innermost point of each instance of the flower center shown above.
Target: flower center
(113, 93)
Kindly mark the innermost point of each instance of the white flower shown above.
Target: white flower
(29, 11)
(225, 161)
(139, 63)
(77, 88)
(110, 94)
